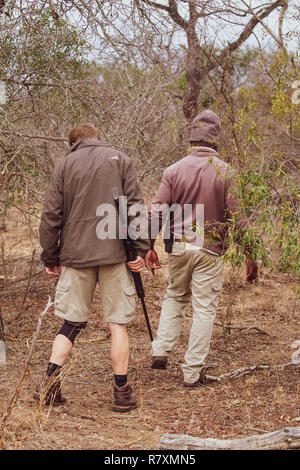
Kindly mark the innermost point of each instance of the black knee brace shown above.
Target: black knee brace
(71, 329)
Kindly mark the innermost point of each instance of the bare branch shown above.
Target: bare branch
(27, 363)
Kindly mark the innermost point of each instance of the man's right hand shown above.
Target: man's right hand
(56, 271)
(152, 261)
(136, 265)
(251, 270)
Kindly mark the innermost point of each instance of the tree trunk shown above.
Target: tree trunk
(193, 80)
(193, 68)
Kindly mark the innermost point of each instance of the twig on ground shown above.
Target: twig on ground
(234, 327)
(244, 371)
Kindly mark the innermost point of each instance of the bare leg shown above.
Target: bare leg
(119, 348)
(61, 349)
(49, 390)
(123, 399)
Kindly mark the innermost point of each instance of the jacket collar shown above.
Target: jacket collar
(203, 152)
(83, 143)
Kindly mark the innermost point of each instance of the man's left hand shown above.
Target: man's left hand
(136, 265)
(152, 261)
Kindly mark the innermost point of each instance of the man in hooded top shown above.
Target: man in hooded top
(198, 201)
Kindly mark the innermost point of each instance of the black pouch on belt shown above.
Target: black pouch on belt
(168, 237)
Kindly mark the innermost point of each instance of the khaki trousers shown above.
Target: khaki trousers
(197, 275)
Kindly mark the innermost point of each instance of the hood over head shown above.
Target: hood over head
(206, 127)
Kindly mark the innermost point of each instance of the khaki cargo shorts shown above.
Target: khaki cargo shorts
(75, 291)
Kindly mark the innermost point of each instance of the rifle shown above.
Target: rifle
(131, 256)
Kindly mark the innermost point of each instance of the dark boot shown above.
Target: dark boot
(124, 401)
(159, 362)
(49, 391)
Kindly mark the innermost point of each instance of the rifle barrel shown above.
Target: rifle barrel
(147, 318)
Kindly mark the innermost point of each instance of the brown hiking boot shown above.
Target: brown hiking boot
(124, 401)
(159, 362)
(49, 391)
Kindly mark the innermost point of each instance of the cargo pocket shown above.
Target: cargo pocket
(130, 291)
(216, 286)
(130, 300)
(178, 249)
(62, 299)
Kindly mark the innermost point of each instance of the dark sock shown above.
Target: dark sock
(120, 380)
(53, 369)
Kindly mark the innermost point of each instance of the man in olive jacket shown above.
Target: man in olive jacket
(76, 202)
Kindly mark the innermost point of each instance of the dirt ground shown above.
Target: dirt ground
(263, 401)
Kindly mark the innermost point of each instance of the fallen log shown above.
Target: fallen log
(287, 438)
